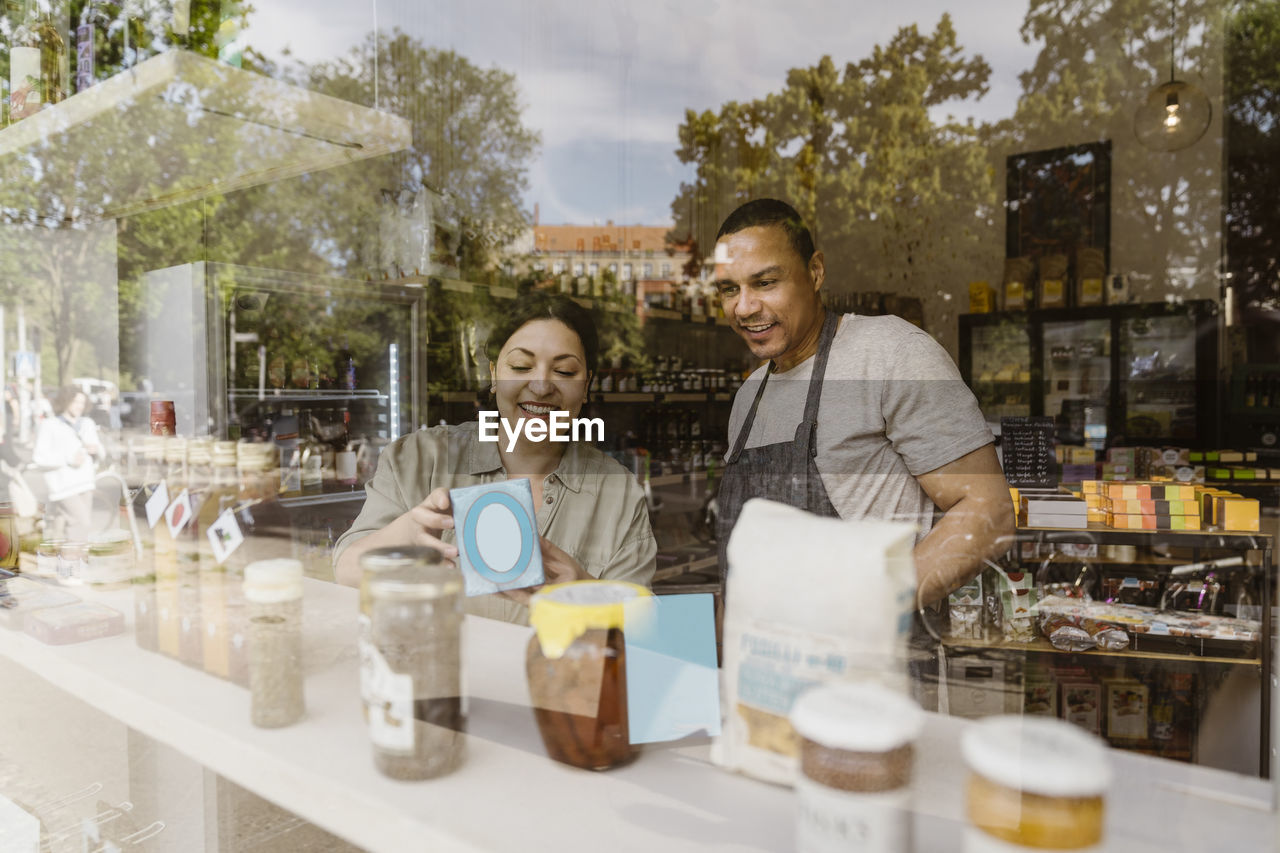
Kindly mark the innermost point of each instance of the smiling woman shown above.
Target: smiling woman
(591, 516)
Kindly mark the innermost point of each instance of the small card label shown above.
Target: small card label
(157, 503)
(225, 535)
(178, 513)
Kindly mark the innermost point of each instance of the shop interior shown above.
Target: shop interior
(293, 230)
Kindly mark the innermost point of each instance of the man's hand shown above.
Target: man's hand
(557, 567)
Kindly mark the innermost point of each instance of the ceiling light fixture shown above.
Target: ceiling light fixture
(1176, 113)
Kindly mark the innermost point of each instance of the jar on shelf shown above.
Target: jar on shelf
(856, 756)
(110, 562)
(413, 670)
(273, 592)
(577, 668)
(1034, 783)
(8, 536)
(373, 563)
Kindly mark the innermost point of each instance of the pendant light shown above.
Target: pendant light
(1176, 113)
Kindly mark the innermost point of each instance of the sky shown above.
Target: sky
(607, 83)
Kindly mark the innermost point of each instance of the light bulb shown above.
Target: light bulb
(1172, 119)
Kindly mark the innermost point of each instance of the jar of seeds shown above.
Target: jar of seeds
(273, 592)
(856, 755)
(373, 563)
(417, 713)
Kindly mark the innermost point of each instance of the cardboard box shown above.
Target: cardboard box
(982, 298)
(977, 687)
(1153, 522)
(1040, 697)
(1082, 705)
(1236, 513)
(1127, 703)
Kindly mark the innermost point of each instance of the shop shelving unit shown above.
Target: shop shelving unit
(178, 127)
(1188, 649)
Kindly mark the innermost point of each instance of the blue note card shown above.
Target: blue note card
(497, 536)
(673, 688)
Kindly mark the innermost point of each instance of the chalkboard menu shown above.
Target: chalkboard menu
(1027, 448)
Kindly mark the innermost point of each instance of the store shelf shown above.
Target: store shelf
(320, 500)
(684, 568)
(677, 479)
(1042, 646)
(1103, 535)
(179, 127)
(680, 317)
(307, 395)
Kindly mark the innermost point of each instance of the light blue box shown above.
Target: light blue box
(673, 686)
(497, 536)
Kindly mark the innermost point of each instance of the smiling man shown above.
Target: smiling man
(851, 416)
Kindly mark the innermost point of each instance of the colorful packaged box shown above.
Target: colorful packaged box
(1153, 522)
(497, 535)
(1236, 513)
(1040, 697)
(982, 298)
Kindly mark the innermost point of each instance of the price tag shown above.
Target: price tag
(178, 513)
(156, 504)
(225, 535)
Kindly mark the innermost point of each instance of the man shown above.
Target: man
(851, 416)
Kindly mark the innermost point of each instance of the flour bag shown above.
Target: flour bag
(809, 599)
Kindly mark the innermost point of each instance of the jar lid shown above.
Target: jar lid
(257, 455)
(175, 448)
(224, 454)
(162, 407)
(415, 582)
(272, 581)
(858, 717)
(1038, 755)
(397, 557)
(153, 447)
(561, 613)
(109, 538)
(200, 451)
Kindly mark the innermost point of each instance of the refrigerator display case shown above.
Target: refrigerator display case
(242, 350)
(1113, 375)
(998, 365)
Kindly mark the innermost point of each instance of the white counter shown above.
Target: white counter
(509, 796)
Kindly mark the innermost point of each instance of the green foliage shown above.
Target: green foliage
(885, 188)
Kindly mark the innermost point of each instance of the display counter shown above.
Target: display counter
(508, 795)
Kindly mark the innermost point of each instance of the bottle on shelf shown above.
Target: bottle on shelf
(224, 489)
(168, 610)
(150, 476)
(187, 550)
(262, 531)
(311, 461)
(38, 63)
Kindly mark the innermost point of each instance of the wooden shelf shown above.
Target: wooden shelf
(1043, 646)
(175, 128)
(1101, 534)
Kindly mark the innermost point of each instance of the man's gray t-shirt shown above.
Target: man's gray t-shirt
(893, 406)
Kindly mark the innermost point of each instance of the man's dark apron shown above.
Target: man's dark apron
(784, 472)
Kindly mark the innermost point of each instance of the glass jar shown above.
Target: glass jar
(856, 754)
(73, 558)
(413, 669)
(47, 558)
(9, 547)
(1034, 783)
(373, 563)
(577, 668)
(110, 563)
(273, 592)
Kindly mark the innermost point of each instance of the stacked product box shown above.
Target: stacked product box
(1162, 505)
(1050, 508)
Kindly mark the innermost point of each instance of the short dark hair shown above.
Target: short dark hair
(543, 305)
(771, 211)
(64, 397)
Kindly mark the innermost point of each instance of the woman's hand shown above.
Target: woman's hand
(429, 519)
(557, 567)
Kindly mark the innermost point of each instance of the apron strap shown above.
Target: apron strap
(745, 432)
(807, 431)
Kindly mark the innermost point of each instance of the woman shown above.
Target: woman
(66, 447)
(591, 513)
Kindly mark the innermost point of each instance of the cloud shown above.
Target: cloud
(621, 74)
